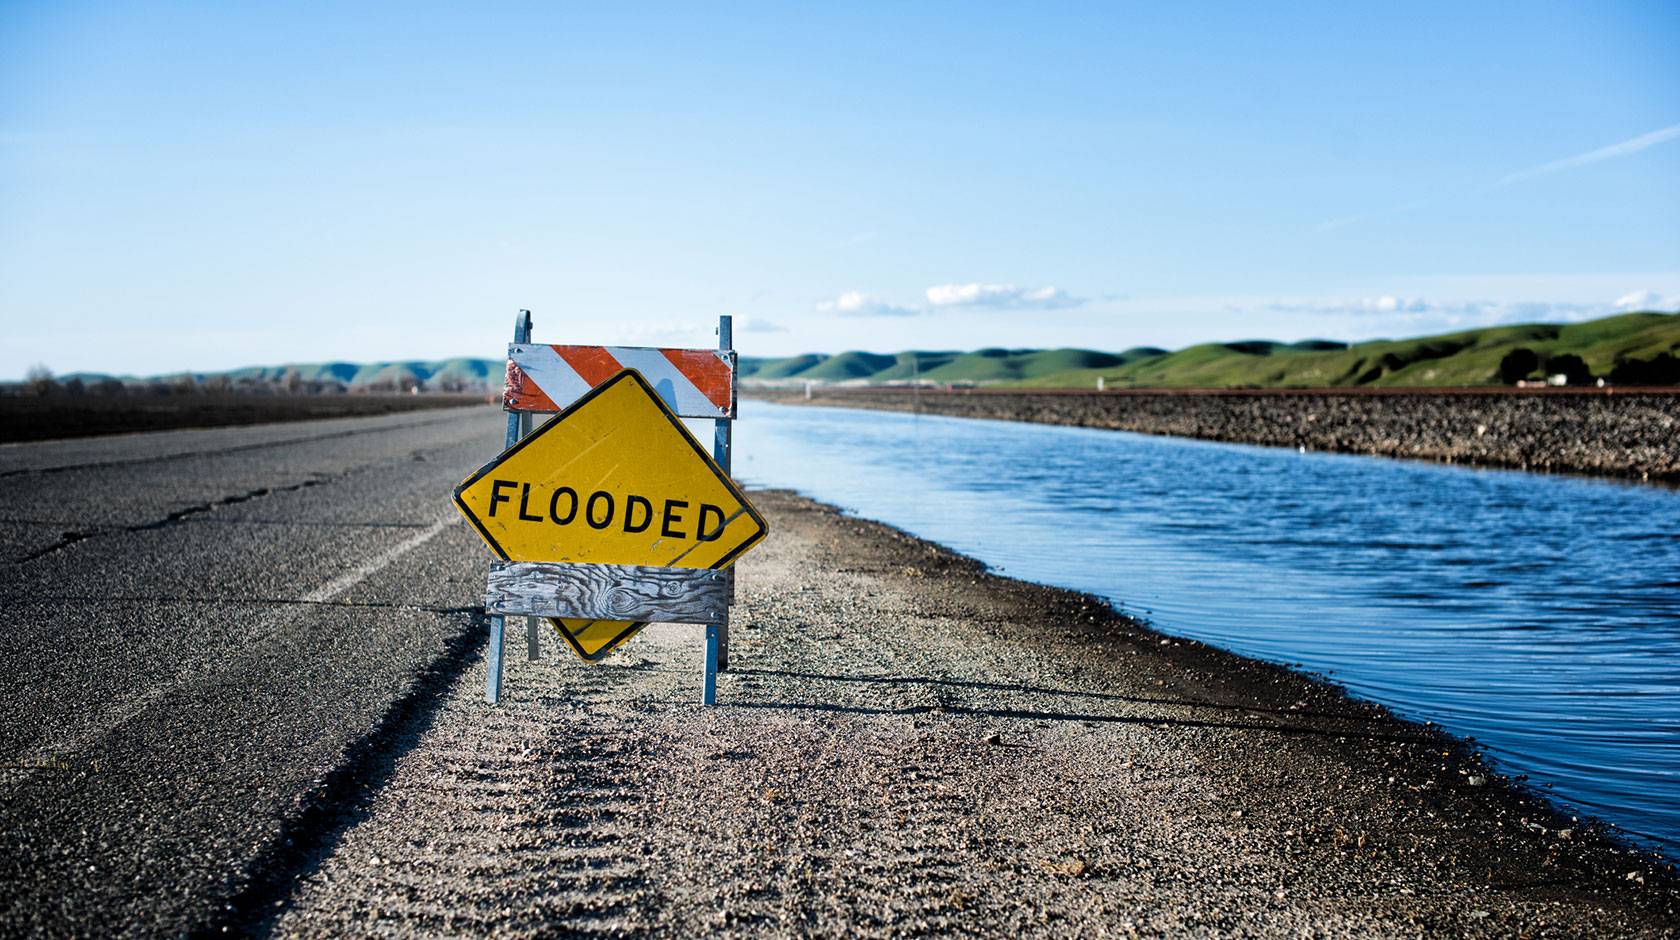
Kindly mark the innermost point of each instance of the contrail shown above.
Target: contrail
(1632, 145)
(1622, 149)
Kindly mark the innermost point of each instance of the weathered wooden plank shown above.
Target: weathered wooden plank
(608, 592)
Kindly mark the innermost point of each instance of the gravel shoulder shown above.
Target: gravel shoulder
(907, 745)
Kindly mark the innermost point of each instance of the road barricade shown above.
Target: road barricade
(610, 515)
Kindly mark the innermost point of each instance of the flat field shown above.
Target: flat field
(58, 416)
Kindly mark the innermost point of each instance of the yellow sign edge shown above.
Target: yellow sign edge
(631, 374)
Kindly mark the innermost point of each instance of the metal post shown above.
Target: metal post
(533, 645)
(515, 423)
(708, 687)
(717, 634)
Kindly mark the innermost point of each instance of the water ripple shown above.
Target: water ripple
(1537, 614)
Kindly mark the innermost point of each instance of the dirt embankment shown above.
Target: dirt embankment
(1616, 432)
(906, 745)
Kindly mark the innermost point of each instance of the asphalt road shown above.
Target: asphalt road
(203, 629)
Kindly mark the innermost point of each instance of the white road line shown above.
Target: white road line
(132, 705)
(367, 569)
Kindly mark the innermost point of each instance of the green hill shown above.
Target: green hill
(760, 368)
(460, 374)
(915, 364)
(985, 365)
(849, 365)
(1471, 357)
(1649, 342)
(992, 365)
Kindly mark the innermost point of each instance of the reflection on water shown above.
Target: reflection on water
(1538, 614)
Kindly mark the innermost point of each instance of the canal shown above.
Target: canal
(1539, 615)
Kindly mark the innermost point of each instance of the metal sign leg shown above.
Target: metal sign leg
(533, 644)
(717, 634)
(722, 445)
(708, 692)
(516, 423)
(493, 662)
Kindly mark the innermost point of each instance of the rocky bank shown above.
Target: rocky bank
(1609, 432)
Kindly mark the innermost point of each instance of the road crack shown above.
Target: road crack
(76, 536)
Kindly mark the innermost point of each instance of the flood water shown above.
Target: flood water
(1538, 614)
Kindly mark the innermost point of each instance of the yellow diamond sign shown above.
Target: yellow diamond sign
(615, 479)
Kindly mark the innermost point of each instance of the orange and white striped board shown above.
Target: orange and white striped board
(696, 383)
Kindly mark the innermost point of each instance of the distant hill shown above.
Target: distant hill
(1642, 346)
(984, 365)
(438, 375)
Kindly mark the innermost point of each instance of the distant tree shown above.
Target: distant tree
(74, 386)
(1517, 365)
(39, 379)
(1571, 366)
(1661, 369)
(292, 380)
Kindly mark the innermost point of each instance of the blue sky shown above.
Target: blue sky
(209, 186)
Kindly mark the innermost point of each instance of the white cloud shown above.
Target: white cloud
(1646, 300)
(1388, 303)
(1390, 313)
(858, 304)
(1002, 296)
(755, 325)
(1632, 145)
(942, 296)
